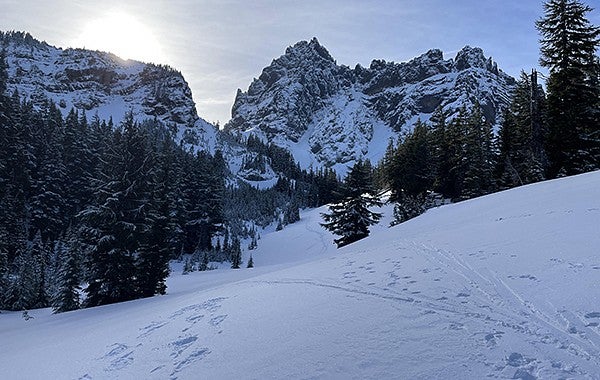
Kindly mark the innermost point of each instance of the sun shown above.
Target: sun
(123, 35)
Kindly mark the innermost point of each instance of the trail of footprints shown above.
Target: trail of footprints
(183, 351)
(516, 365)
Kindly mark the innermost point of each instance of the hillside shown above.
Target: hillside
(503, 286)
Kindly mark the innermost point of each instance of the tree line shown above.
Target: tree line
(91, 213)
(543, 135)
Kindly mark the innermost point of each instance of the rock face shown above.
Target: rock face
(103, 84)
(331, 115)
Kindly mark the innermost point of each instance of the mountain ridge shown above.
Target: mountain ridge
(100, 83)
(323, 113)
(305, 91)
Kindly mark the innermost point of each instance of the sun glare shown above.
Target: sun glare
(123, 35)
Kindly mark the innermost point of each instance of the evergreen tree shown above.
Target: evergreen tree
(441, 149)
(153, 253)
(236, 253)
(351, 218)
(188, 266)
(479, 156)
(116, 222)
(46, 202)
(67, 297)
(409, 169)
(521, 158)
(27, 289)
(568, 48)
(203, 266)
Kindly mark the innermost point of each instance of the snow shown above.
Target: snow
(504, 286)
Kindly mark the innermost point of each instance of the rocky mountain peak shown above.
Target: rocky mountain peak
(473, 57)
(305, 101)
(307, 51)
(101, 83)
(290, 90)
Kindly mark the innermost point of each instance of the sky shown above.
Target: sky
(221, 45)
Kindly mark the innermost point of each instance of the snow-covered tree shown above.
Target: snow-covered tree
(67, 296)
(351, 218)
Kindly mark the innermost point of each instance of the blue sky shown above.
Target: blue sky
(220, 45)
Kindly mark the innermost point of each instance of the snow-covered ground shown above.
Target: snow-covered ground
(504, 286)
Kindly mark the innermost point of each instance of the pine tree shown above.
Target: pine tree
(116, 221)
(568, 48)
(441, 152)
(203, 266)
(250, 262)
(188, 266)
(153, 253)
(46, 201)
(521, 158)
(479, 156)
(351, 218)
(410, 168)
(236, 253)
(27, 290)
(67, 296)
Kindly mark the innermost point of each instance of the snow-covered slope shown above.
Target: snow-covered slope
(330, 115)
(101, 83)
(504, 286)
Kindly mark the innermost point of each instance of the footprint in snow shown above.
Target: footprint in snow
(194, 356)
(216, 321)
(120, 356)
(491, 339)
(153, 326)
(181, 344)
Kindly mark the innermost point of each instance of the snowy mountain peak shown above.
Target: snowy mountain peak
(330, 115)
(101, 83)
(469, 57)
(308, 50)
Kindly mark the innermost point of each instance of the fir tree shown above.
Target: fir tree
(236, 253)
(203, 266)
(479, 156)
(351, 218)
(187, 266)
(116, 222)
(568, 48)
(409, 169)
(27, 289)
(521, 158)
(67, 296)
